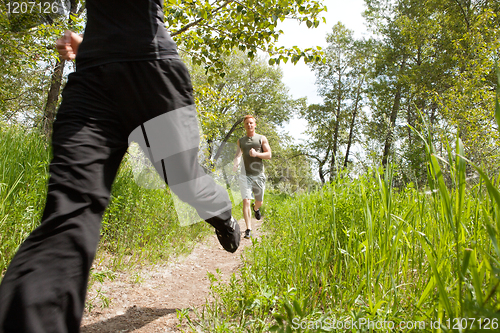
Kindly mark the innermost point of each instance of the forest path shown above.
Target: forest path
(150, 306)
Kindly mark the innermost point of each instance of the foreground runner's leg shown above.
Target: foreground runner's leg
(169, 142)
(44, 287)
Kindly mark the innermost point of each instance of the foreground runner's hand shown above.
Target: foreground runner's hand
(67, 46)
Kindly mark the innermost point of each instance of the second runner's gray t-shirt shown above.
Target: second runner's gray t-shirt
(253, 166)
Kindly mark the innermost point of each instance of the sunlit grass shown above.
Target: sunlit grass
(23, 176)
(361, 249)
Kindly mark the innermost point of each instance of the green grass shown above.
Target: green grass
(23, 177)
(360, 249)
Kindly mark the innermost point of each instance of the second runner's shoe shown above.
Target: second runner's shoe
(258, 216)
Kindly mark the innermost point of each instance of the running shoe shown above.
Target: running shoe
(248, 233)
(258, 216)
(229, 236)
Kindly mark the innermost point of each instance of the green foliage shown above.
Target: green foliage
(100, 277)
(209, 30)
(361, 250)
(435, 58)
(28, 57)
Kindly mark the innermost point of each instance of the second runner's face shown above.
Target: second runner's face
(249, 124)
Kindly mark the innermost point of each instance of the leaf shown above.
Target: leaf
(476, 280)
(492, 190)
(427, 290)
(289, 311)
(279, 318)
(497, 103)
(428, 247)
(297, 308)
(465, 261)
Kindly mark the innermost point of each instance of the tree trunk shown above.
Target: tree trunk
(353, 120)
(321, 175)
(224, 141)
(336, 130)
(392, 124)
(410, 121)
(49, 112)
(393, 117)
(320, 168)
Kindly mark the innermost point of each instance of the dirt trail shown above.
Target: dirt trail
(150, 306)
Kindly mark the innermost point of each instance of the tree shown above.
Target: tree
(435, 59)
(361, 62)
(317, 148)
(56, 80)
(27, 51)
(388, 90)
(249, 86)
(340, 80)
(208, 30)
(16, 85)
(473, 27)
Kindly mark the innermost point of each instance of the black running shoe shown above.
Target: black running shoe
(229, 236)
(258, 216)
(248, 233)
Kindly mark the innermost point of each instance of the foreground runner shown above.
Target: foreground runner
(129, 79)
(254, 148)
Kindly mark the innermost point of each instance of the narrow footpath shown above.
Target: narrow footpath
(149, 306)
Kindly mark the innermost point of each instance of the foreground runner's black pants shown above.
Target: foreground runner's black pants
(44, 287)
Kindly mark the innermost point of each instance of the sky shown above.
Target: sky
(299, 78)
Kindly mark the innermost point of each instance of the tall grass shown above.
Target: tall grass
(23, 177)
(360, 251)
(139, 227)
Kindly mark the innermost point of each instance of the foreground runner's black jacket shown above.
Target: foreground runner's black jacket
(121, 30)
